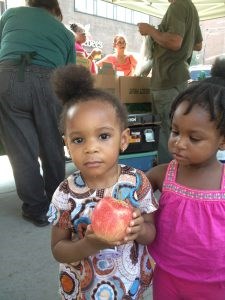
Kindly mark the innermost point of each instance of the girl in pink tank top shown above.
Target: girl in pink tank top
(189, 249)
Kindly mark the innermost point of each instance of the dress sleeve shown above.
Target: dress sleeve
(60, 209)
(146, 198)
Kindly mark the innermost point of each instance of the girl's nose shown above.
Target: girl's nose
(180, 142)
(90, 147)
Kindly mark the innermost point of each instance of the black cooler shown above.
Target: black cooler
(144, 133)
(144, 139)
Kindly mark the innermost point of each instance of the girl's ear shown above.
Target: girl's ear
(222, 144)
(125, 139)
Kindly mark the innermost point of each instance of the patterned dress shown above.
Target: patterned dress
(124, 273)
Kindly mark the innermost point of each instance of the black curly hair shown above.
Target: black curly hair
(218, 67)
(210, 95)
(75, 27)
(75, 84)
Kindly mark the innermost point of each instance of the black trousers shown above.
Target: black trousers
(29, 113)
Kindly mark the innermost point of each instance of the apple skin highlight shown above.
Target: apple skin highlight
(110, 219)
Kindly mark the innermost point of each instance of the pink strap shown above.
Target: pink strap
(171, 172)
(223, 179)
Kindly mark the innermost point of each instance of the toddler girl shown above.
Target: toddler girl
(189, 249)
(95, 130)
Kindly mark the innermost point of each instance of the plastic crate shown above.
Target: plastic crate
(142, 161)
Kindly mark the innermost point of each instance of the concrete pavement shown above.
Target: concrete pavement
(27, 269)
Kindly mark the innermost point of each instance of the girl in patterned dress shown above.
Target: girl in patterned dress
(189, 248)
(94, 124)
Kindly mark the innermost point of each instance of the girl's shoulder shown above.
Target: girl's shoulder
(135, 178)
(79, 47)
(111, 57)
(156, 176)
(131, 57)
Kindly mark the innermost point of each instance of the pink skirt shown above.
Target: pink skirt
(169, 287)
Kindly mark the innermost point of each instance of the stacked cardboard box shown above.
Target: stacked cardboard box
(128, 89)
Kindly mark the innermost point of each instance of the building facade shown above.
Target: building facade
(104, 25)
(105, 20)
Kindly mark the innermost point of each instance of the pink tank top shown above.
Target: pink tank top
(126, 67)
(190, 223)
(79, 49)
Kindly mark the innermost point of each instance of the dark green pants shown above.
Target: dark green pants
(161, 103)
(29, 114)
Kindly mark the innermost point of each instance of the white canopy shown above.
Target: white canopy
(207, 9)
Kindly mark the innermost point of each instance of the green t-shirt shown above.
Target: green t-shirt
(28, 29)
(170, 68)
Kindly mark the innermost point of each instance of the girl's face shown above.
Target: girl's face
(120, 43)
(94, 139)
(194, 139)
(81, 37)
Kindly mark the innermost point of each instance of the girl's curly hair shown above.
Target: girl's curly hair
(75, 84)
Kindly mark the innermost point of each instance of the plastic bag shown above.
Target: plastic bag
(144, 64)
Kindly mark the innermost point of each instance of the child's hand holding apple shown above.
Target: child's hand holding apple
(97, 242)
(114, 222)
(135, 226)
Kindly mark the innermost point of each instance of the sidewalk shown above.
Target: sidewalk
(27, 269)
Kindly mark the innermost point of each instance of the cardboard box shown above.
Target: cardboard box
(108, 83)
(128, 89)
(134, 89)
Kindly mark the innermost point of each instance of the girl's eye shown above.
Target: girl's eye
(77, 140)
(194, 139)
(104, 136)
(174, 132)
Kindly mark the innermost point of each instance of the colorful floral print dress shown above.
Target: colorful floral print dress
(122, 274)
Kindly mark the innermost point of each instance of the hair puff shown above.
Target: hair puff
(68, 86)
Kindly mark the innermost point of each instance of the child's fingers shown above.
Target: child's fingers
(138, 220)
(136, 213)
(131, 236)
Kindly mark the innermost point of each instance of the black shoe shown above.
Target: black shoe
(39, 221)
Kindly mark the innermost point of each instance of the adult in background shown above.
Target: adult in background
(82, 56)
(120, 59)
(33, 43)
(174, 41)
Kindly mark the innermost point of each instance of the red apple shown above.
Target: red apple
(110, 219)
